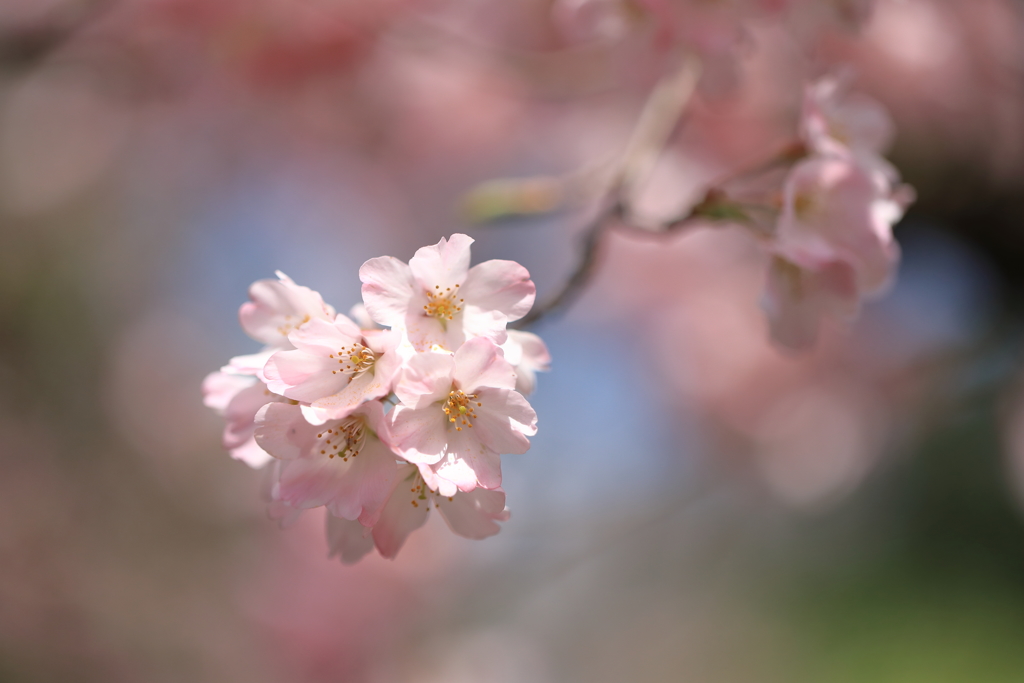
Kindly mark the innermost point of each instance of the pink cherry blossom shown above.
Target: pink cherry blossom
(837, 209)
(836, 122)
(347, 539)
(360, 317)
(238, 397)
(279, 306)
(458, 412)
(797, 298)
(437, 300)
(278, 510)
(312, 401)
(334, 367)
(474, 514)
(281, 512)
(528, 355)
(344, 464)
(251, 364)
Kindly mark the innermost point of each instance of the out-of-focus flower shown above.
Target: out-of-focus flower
(438, 300)
(832, 244)
(528, 355)
(796, 299)
(836, 122)
(835, 208)
(347, 539)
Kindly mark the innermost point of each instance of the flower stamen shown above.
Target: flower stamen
(443, 304)
(459, 408)
(346, 440)
(353, 359)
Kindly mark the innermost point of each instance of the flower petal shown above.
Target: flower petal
(347, 539)
(311, 482)
(480, 363)
(363, 387)
(251, 364)
(426, 379)
(279, 306)
(219, 388)
(301, 376)
(388, 286)
(796, 299)
(363, 488)
(468, 463)
(528, 354)
(240, 414)
(504, 420)
(282, 432)
(474, 514)
(251, 454)
(503, 286)
(419, 435)
(444, 264)
(400, 516)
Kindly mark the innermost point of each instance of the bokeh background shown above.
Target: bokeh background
(697, 505)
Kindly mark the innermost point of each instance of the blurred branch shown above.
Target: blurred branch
(617, 217)
(514, 197)
(585, 267)
(26, 47)
(658, 119)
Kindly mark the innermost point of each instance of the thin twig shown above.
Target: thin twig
(615, 217)
(585, 267)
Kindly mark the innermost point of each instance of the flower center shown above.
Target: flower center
(354, 359)
(443, 304)
(345, 439)
(286, 327)
(460, 408)
(806, 206)
(421, 493)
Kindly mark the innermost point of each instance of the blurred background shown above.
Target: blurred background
(697, 505)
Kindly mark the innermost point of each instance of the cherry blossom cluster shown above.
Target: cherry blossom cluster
(405, 406)
(827, 222)
(832, 244)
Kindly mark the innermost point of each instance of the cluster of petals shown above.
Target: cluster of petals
(406, 410)
(832, 245)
